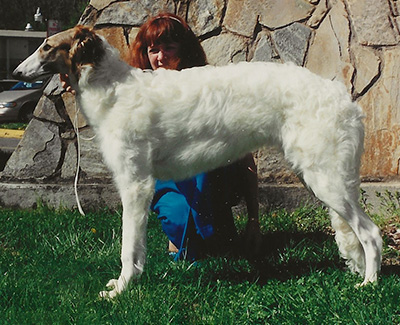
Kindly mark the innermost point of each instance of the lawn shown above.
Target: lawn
(13, 126)
(53, 263)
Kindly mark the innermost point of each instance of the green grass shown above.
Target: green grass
(13, 126)
(53, 263)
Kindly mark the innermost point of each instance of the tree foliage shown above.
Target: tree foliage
(16, 14)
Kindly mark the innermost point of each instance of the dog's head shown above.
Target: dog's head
(65, 52)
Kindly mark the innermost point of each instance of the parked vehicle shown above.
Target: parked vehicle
(18, 103)
(6, 84)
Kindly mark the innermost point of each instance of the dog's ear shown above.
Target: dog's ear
(86, 48)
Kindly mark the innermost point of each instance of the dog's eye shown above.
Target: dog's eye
(46, 47)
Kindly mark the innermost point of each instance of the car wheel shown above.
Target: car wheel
(26, 113)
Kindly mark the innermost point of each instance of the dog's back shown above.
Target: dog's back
(222, 113)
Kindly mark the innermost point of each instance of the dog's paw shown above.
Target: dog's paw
(362, 284)
(115, 288)
(372, 281)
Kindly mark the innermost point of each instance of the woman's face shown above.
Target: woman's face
(164, 55)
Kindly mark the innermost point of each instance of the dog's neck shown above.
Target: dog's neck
(101, 74)
(96, 85)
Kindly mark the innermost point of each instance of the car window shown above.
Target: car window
(22, 85)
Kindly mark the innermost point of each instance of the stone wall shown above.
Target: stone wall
(355, 41)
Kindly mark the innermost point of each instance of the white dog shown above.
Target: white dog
(173, 124)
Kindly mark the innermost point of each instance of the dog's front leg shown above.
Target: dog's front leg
(135, 198)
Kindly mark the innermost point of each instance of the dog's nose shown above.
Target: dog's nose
(17, 74)
(20, 75)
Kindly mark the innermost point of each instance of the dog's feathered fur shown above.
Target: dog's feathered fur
(171, 125)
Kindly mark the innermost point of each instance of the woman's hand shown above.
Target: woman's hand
(66, 84)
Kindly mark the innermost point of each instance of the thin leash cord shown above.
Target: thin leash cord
(76, 129)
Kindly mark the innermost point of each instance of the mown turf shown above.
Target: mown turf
(54, 263)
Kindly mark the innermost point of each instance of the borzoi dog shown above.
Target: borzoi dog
(173, 124)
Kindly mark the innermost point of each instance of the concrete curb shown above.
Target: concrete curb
(292, 196)
(94, 196)
(27, 195)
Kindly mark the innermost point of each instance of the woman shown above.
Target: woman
(196, 213)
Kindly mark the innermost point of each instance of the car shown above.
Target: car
(18, 103)
(6, 84)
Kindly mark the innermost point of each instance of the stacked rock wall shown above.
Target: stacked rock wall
(355, 41)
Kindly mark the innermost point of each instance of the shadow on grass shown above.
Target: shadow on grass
(271, 262)
(277, 257)
(390, 270)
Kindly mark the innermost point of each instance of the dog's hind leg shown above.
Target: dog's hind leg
(135, 196)
(370, 237)
(358, 238)
(350, 247)
(365, 260)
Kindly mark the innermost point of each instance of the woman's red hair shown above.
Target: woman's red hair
(167, 28)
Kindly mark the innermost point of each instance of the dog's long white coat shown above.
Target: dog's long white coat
(171, 125)
(202, 118)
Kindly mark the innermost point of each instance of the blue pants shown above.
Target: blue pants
(193, 212)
